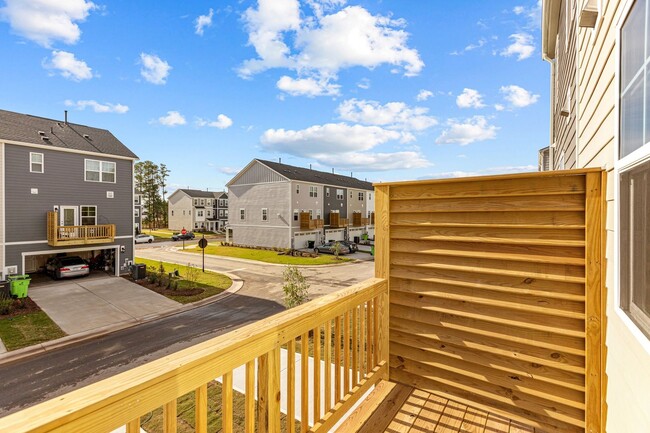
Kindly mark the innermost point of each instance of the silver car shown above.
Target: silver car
(143, 239)
(328, 248)
(67, 266)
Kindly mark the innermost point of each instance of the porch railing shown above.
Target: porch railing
(307, 223)
(337, 221)
(58, 235)
(345, 332)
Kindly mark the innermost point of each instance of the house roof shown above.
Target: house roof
(26, 128)
(199, 193)
(308, 175)
(550, 26)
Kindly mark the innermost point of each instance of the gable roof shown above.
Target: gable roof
(308, 175)
(30, 129)
(199, 193)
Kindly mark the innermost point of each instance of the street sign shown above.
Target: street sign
(203, 243)
(183, 232)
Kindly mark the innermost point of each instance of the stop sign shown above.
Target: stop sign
(183, 232)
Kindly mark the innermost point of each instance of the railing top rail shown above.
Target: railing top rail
(136, 391)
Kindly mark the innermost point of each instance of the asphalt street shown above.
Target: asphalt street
(53, 373)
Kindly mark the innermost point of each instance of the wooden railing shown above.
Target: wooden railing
(344, 333)
(337, 221)
(306, 223)
(77, 235)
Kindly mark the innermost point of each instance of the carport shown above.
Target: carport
(34, 261)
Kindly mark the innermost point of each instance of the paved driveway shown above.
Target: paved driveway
(85, 304)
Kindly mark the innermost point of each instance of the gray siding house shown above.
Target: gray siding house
(194, 209)
(65, 189)
(279, 205)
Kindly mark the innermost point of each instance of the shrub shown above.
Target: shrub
(192, 275)
(296, 289)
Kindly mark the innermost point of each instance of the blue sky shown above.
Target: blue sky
(388, 90)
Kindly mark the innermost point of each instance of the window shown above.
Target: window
(339, 194)
(196, 202)
(136, 199)
(369, 196)
(183, 211)
(199, 213)
(202, 202)
(222, 202)
(35, 162)
(313, 191)
(360, 196)
(226, 212)
(242, 214)
(136, 212)
(265, 214)
(208, 213)
(297, 189)
(100, 171)
(295, 214)
(311, 214)
(220, 212)
(327, 192)
(88, 215)
(317, 214)
(350, 195)
(172, 213)
(634, 168)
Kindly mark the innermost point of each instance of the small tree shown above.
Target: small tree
(336, 249)
(296, 289)
(192, 275)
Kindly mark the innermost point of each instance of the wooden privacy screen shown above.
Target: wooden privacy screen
(495, 292)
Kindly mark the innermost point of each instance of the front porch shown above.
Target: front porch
(485, 316)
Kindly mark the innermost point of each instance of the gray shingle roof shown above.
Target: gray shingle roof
(315, 176)
(25, 128)
(200, 194)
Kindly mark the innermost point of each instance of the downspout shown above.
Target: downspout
(551, 147)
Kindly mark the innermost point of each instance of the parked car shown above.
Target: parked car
(66, 267)
(328, 248)
(143, 239)
(353, 247)
(180, 237)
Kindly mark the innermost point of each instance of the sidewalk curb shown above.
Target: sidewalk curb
(18, 354)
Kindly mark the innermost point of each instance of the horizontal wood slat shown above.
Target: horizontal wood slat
(488, 303)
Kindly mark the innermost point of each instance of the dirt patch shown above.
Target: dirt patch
(20, 307)
(168, 292)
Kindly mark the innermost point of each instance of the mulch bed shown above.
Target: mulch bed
(168, 292)
(22, 306)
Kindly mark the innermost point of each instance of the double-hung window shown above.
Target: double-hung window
(265, 214)
(313, 191)
(339, 194)
(99, 171)
(36, 164)
(88, 215)
(360, 196)
(242, 214)
(633, 167)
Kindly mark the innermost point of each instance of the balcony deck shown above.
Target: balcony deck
(59, 236)
(395, 408)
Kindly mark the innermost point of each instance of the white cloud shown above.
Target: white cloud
(369, 161)
(470, 98)
(97, 107)
(499, 107)
(473, 129)
(364, 83)
(518, 96)
(202, 22)
(47, 21)
(483, 172)
(229, 170)
(423, 95)
(307, 87)
(154, 69)
(69, 66)
(318, 47)
(222, 122)
(532, 14)
(393, 115)
(522, 46)
(173, 118)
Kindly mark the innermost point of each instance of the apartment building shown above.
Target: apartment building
(193, 209)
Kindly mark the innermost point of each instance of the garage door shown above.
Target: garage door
(335, 235)
(300, 240)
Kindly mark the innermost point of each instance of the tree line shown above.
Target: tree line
(151, 183)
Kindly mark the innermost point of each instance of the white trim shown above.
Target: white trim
(100, 171)
(81, 217)
(25, 242)
(257, 225)
(116, 266)
(60, 149)
(42, 162)
(123, 237)
(62, 214)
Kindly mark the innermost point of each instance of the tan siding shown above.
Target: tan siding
(259, 173)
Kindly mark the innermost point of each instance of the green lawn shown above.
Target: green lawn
(213, 283)
(28, 329)
(159, 233)
(267, 256)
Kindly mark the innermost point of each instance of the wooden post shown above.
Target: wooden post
(249, 420)
(382, 268)
(133, 426)
(274, 391)
(304, 383)
(169, 417)
(291, 386)
(263, 393)
(593, 326)
(226, 403)
(201, 409)
(316, 369)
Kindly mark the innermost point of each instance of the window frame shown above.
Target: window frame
(242, 214)
(340, 196)
(81, 214)
(313, 191)
(136, 212)
(101, 171)
(264, 214)
(31, 162)
(361, 196)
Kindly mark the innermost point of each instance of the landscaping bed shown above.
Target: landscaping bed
(23, 323)
(277, 256)
(187, 283)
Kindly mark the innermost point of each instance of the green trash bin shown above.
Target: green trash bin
(372, 250)
(19, 285)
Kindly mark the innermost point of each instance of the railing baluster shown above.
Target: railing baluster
(291, 386)
(346, 353)
(226, 403)
(337, 359)
(362, 341)
(201, 409)
(263, 393)
(274, 394)
(369, 363)
(328, 365)
(169, 417)
(355, 346)
(133, 426)
(375, 331)
(316, 367)
(304, 383)
(249, 409)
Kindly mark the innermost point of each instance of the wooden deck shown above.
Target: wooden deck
(396, 408)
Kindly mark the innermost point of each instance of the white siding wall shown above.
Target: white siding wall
(179, 204)
(628, 354)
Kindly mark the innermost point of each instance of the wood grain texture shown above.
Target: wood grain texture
(169, 417)
(226, 403)
(249, 403)
(291, 386)
(201, 409)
